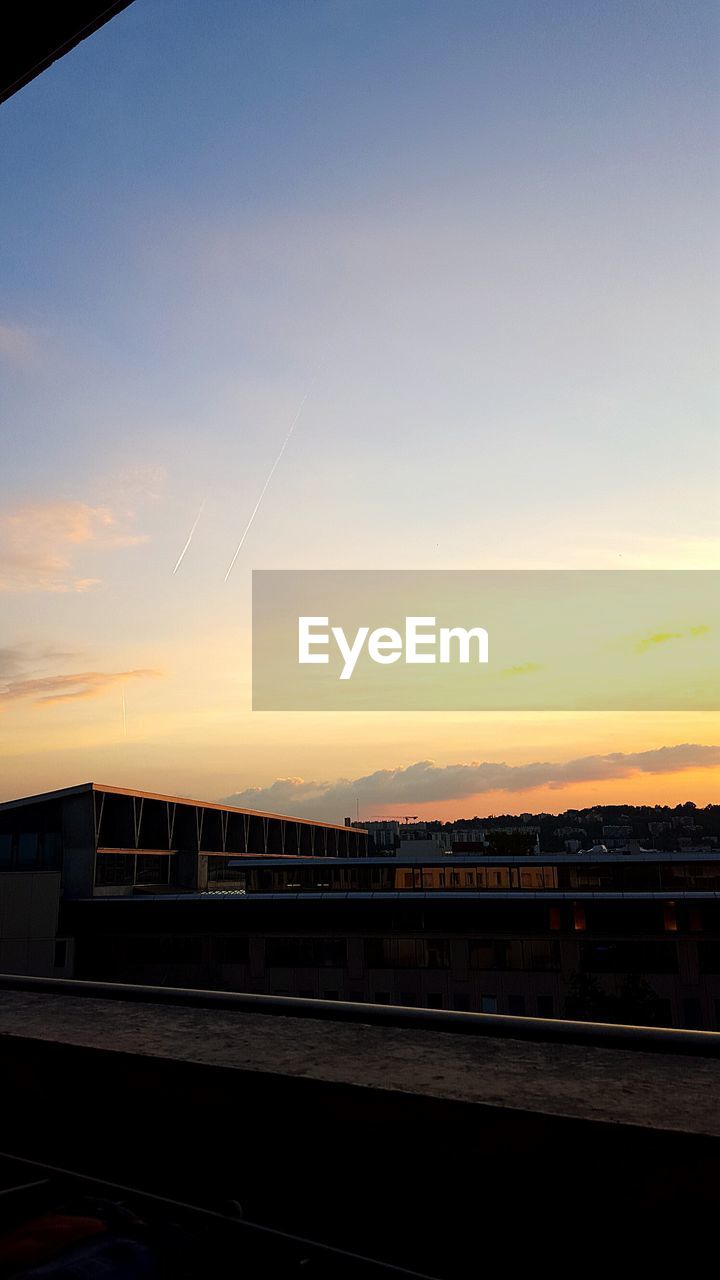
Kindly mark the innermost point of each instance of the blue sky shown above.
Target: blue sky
(492, 226)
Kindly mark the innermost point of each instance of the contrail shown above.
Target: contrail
(181, 557)
(273, 468)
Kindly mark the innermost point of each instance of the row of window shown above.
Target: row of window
(488, 955)
(691, 1011)
(30, 851)
(461, 1002)
(115, 869)
(537, 955)
(27, 850)
(122, 819)
(631, 875)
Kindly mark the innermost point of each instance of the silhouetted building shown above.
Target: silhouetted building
(169, 891)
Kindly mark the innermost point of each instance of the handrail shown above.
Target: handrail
(507, 1026)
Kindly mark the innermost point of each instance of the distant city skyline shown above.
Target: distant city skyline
(431, 281)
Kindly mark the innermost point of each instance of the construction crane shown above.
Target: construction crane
(395, 817)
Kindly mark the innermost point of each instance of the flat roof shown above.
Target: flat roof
(64, 792)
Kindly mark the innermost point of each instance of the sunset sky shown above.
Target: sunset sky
(476, 244)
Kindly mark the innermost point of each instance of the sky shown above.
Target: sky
(474, 246)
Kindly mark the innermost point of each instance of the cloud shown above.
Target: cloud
(425, 781)
(43, 690)
(662, 637)
(525, 668)
(38, 543)
(17, 659)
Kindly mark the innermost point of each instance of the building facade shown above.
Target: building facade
(162, 890)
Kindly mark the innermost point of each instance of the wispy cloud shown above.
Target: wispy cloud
(663, 637)
(425, 781)
(20, 660)
(39, 542)
(72, 687)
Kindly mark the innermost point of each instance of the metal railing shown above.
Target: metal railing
(549, 1030)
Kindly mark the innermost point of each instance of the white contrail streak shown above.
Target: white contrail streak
(181, 557)
(273, 469)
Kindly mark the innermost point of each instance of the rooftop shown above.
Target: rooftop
(65, 792)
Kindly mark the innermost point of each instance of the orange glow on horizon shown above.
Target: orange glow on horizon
(701, 786)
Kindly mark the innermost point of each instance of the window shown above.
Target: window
(27, 849)
(664, 1009)
(692, 1014)
(162, 949)
(51, 851)
(482, 955)
(407, 953)
(541, 955)
(132, 868)
(436, 954)
(152, 869)
(670, 923)
(488, 1004)
(232, 950)
(709, 957)
(115, 869)
(226, 871)
(628, 957)
(408, 998)
(306, 953)
(6, 844)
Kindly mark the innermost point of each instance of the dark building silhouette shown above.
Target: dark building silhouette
(107, 883)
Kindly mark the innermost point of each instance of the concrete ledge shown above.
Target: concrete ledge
(393, 1143)
(590, 1083)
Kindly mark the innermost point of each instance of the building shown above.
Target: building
(92, 841)
(174, 892)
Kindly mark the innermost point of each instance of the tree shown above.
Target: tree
(585, 1000)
